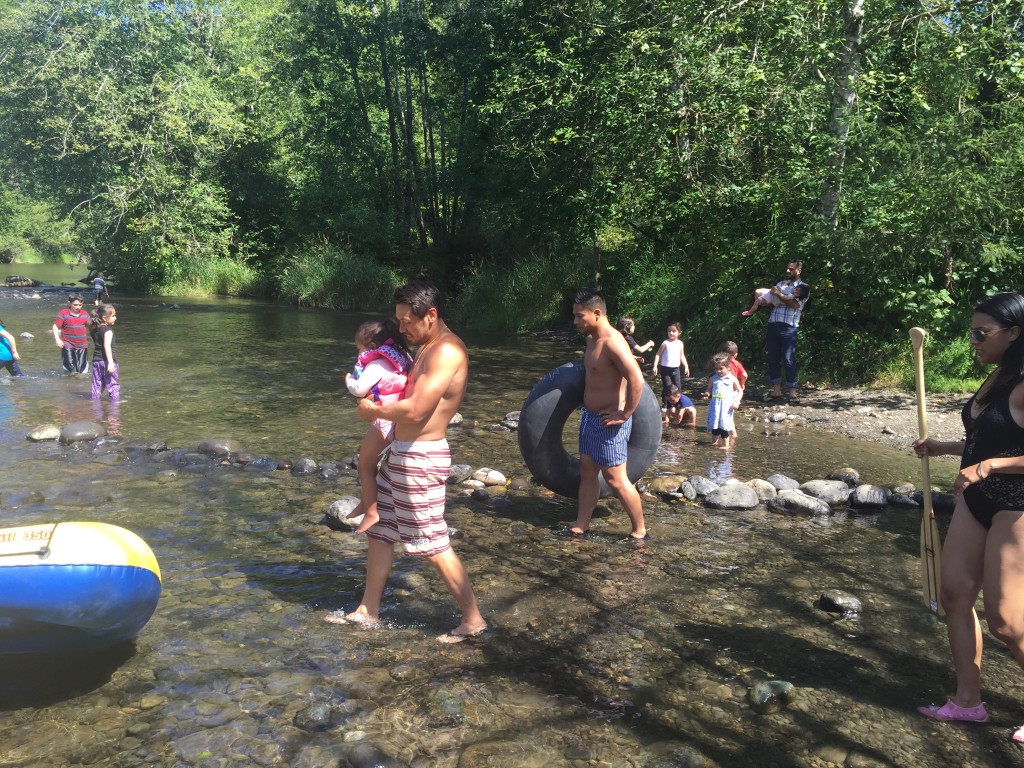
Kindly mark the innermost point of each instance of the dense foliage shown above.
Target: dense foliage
(676, 153)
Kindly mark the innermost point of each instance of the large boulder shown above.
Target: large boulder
(732, 496)
(795, 502)
(848, 475)
(832, 492)
(867, 496)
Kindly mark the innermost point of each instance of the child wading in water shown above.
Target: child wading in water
(671, 358)
(680, 410)
(723, 394)
(381, 372)
(9, 356)
(627, 328)
(104, 354)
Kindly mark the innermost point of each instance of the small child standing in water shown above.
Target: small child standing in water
(671, 359)
(381, 372)
(627, 328)
(722, 393)
(104, 353)
(9, 356)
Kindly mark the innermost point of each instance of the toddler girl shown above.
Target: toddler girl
(722, 393)
(671, 358)
(104, 353)
(381, 372)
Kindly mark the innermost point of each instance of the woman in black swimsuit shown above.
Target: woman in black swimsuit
(984, 547)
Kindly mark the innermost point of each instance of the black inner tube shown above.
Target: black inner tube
(542, 421)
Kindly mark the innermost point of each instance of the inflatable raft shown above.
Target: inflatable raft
(74, 587)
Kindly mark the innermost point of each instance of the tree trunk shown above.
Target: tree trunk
(841, 111)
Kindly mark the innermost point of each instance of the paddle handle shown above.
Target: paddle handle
(917, 336)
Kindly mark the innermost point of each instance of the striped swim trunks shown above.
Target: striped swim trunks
(607, 446)
(411, 495)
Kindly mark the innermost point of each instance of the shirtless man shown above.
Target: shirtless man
(614, 385)
(411, 483)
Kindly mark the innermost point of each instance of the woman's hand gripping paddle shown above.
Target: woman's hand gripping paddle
(931, 544)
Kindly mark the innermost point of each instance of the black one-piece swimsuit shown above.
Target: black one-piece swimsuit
(993, 434)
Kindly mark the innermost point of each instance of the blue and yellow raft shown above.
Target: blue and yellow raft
(74, 587)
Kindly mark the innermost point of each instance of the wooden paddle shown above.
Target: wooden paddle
(931, 544)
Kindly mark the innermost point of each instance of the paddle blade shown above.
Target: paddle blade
(931, 563)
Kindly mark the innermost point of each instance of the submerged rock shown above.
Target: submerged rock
(837, 601)
(44, 432)
(81, 430)
(771, 695)
(337, 515)
(458, 472)
(305, 467)
(219, 446)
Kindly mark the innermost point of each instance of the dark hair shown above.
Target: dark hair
(626, 326)
(98, 315)
(421, 296)
(1007, 309)
(590, 298)
(677, 325)
(797, 263)
(729, 348)
(376, 333)
(673, 390)
(719, 358)
(72, 297)
(801, 291)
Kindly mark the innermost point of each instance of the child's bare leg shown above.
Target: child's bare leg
(369, 453)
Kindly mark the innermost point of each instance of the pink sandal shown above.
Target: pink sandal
(1018, 735)
(952, 711)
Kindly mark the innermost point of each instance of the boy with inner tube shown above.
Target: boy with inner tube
(612, 390)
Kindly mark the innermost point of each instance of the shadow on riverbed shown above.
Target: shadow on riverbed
(40, 680)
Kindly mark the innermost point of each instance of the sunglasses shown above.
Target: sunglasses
(980, 334)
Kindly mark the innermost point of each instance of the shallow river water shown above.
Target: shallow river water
(600, 653)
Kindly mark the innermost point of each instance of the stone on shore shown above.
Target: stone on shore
(832, 492)
(81, 430)
(732, 496)
(783, 483)
(219, 446)
(44, 432)
(867, 496)
(796, 502)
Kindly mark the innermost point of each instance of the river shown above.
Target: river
(600, 653)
